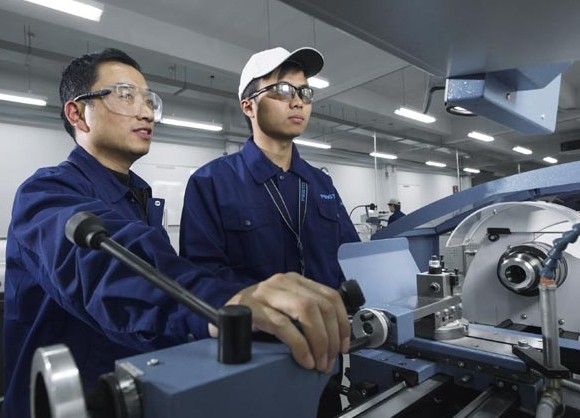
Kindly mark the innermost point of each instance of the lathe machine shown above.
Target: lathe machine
(499, 340)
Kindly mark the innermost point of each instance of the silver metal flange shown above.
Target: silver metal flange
(372, 323)
(56, 384)
(519, 267)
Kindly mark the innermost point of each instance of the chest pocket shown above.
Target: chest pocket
(328, 209)
(327, 225)
(246, 219)
(251, 234)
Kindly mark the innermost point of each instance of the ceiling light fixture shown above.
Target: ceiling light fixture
(24, 98)
(87, 10)
(550, 160)
(411, 114)
(318, 83)
(471, 170)
(205, 126)
(480, 136)
(436, 164)
(385, 156)
(522, 150)
(313, 144)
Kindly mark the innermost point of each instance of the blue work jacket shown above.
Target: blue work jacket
(58, 293)
(231, 225)
(397, 214)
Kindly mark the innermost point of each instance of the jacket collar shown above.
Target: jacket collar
(107, 182)
(262, 169)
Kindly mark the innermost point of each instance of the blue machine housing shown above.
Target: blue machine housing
(422, 227)
(186, 381)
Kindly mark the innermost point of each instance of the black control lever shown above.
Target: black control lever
(353, 299)
(352, 296)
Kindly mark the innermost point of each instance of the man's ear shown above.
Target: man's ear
(248, 108)
(74, 112)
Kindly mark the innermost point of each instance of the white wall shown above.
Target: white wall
(360, 185)
(356, 185)
(416, 190)
(167, 167)
(22, 151)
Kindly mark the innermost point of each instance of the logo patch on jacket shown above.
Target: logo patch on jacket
(327, 196)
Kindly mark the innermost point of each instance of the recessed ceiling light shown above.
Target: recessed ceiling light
(318, 82)
(205, 126)
(385, 156)
(87, 10)
(313, 144)
(436, 164)
(480, 136)
(24, 98)
(411, 114)
(471, 170)
(522, 150)
(550, 160)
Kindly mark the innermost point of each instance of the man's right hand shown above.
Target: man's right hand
(284, 298)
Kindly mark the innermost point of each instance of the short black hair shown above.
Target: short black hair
(81, 74)
(285, 68)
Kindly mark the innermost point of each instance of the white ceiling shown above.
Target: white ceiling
(193, 50)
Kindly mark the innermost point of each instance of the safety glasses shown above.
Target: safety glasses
(286, 92)
(127, 100)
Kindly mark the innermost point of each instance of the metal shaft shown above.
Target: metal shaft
(549, 318)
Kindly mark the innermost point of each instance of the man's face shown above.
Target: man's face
(281, 120)
(117, 140)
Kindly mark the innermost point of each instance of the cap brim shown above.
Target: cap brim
(309, 59)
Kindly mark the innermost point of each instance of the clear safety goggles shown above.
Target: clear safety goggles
(127, 100)
(286, 92)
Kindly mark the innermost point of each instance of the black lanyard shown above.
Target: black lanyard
(285, 214)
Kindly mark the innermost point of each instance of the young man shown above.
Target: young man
(57, 292)
(264, 210)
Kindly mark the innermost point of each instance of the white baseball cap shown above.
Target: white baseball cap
(265, 62)
(394, 201)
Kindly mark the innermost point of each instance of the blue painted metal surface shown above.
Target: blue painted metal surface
(189, 382)
(385, 270)
(379, 365)
(527, 111)
(470, 367)
(441, 348)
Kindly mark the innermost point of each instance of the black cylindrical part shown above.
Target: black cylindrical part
(352, 296)
(235, 334)
(106, 399)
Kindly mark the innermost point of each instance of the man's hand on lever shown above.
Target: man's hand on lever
(282, 300)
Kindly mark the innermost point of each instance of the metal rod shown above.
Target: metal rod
(549, 322)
